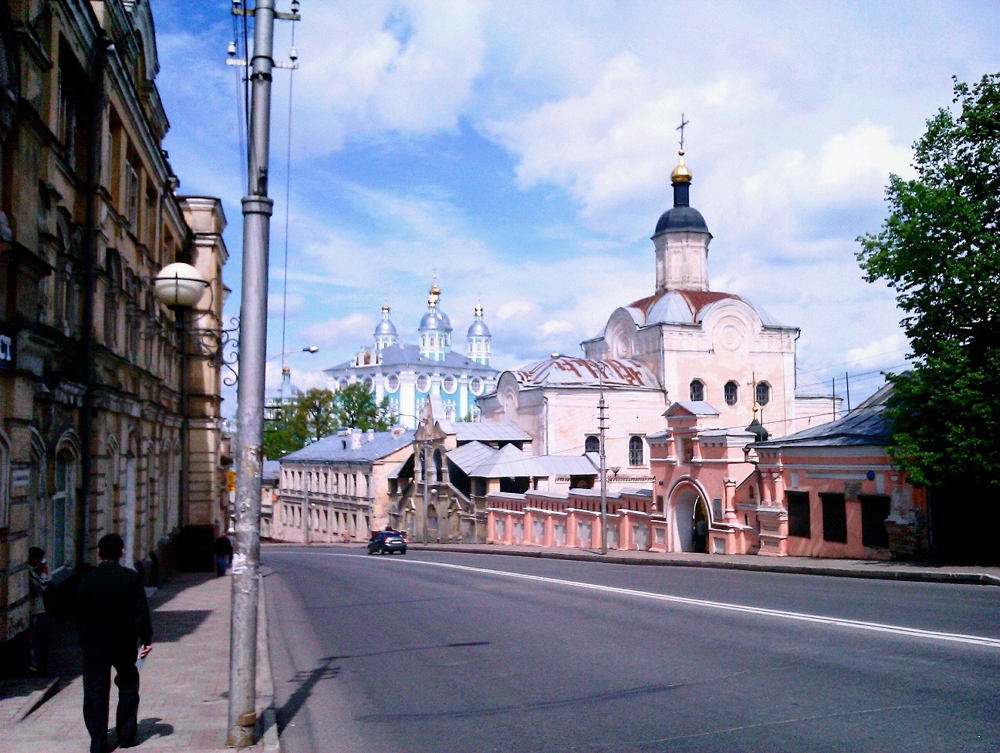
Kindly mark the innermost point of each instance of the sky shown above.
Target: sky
(521, 151)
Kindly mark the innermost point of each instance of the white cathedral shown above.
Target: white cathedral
(684, 342)
(410, 375)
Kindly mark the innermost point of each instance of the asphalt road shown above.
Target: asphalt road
(429, 652)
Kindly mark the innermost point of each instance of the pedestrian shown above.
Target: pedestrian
(112, 619)
(223, 549)
(40, 621)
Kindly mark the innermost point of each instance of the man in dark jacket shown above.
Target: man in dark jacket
(112, 618)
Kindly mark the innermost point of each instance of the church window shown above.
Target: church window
(732, 391)
(423, 383)
(592, 444)
(476, 385)
(449, 384)
(392, 382)
(697, 390)
(635, 451)
(763, 393)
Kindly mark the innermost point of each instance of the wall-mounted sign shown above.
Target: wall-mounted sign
(20, 481)
(8, 348)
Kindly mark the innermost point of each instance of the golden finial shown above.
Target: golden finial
(479, 310)
(434, 295)
(285, 370)
(385, 307)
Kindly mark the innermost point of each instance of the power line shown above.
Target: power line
(288, 194)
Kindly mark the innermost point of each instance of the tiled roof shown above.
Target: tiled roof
(570, 371)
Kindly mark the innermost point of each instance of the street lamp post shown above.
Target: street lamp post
(180, 286)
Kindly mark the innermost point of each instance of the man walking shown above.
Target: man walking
(112, 618)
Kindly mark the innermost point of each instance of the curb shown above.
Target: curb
(267, 719)
(916, 576)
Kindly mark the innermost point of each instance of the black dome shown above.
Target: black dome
(681, 219)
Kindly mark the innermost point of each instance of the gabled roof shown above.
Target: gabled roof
(479, 461)
(697, 408)
(485, 431)
(338, 448)
(865, 425)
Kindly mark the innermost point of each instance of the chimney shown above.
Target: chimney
(355, 439)
(371, 435)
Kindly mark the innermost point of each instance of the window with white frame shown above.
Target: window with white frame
(697, 390)
(636, 454)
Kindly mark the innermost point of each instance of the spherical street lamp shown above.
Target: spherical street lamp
(179, 285)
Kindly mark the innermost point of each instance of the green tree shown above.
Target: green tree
(315, 416)
(356, 408)
(278, 437)
(938, 250)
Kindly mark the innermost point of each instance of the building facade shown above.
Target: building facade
(685, 342)
(100, 430)
(338, 488)
(409, 376)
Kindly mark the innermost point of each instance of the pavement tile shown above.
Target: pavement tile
(183, 685)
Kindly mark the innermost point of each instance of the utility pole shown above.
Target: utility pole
(602, 425)
(257, 209)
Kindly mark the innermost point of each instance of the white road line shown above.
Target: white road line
(878, 627)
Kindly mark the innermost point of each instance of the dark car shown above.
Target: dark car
(387, 542)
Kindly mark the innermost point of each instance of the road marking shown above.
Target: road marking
(975, 640)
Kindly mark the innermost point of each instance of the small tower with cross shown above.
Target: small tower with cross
(681, 237)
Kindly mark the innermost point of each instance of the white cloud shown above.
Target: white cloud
(385, 66)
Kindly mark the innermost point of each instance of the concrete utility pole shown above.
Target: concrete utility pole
(602, 424)
(257, 208)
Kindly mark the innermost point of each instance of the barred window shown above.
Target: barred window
(697, 390)
(635, 451)
(732, 393)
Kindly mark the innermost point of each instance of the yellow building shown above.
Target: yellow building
(92, 405)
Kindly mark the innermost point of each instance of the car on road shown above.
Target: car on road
(387, 542)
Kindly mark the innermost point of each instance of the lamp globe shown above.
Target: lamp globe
(179, 285)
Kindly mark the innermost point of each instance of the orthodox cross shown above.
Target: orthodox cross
(753, 392)
(681, 129)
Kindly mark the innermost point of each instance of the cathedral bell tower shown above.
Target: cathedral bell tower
(681, 238)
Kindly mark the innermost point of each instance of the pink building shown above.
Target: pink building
(828, 491)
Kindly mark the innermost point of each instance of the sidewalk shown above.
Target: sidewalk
(183, 687)
(871, 569)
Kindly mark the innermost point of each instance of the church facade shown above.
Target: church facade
(684, 342)
(411, 375)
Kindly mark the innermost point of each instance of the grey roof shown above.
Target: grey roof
(338, 448)
(270, 469)
(485, 431)
(402, 354)
(865, 425)
(385, 327)
(694, 407)
(480, 461)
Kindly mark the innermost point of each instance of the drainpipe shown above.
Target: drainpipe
(94, 132)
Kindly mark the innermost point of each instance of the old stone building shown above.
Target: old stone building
(93, 397)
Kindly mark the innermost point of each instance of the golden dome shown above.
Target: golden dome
(385, 307)
(680, 174)
(479, 310)
(434, 295)
(285, 370)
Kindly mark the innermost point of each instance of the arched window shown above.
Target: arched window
(732, 391)
(592, 444)
(763, 393)
(635, 452)
(697, 390)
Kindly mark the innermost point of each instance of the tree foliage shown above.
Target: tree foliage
(356, 408)
(939, 250)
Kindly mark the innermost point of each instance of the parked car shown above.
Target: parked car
(387, 542)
